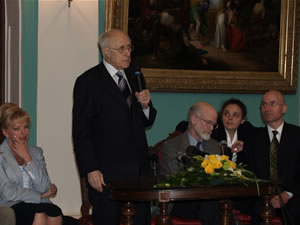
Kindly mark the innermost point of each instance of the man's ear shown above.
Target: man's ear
(194, 119)
(284, 109)
(105, 52)
(243, 121)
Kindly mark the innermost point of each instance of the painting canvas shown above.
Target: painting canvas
(230, 35)
(245, 46)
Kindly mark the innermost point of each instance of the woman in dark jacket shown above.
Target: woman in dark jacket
(232, 127)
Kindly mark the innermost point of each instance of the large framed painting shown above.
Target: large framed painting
(224, 46)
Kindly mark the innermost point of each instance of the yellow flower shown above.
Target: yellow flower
(224, 157)
(217, 164)
(212, 157)
(204, 163)
(232, 164)
(209, 169)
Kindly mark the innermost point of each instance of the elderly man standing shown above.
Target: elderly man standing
(202, 118)
(276, 156)
(110, 113)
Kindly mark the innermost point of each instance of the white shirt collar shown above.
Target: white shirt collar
(279, 130)
(229, 142)
(112, 71)
(192, 140)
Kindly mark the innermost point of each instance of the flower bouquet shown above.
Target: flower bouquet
(209, 170)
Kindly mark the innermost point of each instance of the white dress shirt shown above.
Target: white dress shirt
(112, 71)
(230, 143)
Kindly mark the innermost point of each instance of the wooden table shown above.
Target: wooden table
(143, 190)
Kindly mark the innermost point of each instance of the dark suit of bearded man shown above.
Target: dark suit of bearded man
(207, 211)
(170, 149)
(109, 136)
(288, 166)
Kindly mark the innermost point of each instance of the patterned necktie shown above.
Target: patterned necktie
(234, 157)
(273, 156)
(122, 83)
(198, 145)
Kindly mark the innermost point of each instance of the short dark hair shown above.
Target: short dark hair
(237, 102)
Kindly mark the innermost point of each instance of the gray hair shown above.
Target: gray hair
(194, 109)
(104, 40)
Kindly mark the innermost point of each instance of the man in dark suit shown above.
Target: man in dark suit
(109, 119)
(273, 108)
(202, 118)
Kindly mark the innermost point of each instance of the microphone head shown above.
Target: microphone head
(138, 75)
(191, 150)
(137, 70)
(223, 142)
(224, 148)
(183, 158)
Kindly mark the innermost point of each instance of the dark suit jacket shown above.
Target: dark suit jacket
(288, 162)
(288, 157)
(107, 134)
(245, 133)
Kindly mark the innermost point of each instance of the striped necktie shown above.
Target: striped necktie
(273, 156)
(124, 88)
(198, 145)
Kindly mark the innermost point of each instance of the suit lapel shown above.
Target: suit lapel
(284, 142)
(185, 141)
(182, 141)
(12, 168)
(265, 142)
(110, 85)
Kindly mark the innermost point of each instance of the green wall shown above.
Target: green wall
(171, 107)
(30, 37)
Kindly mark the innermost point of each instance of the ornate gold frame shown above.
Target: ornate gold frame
(116, 16)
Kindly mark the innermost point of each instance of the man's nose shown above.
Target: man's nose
(127, 51)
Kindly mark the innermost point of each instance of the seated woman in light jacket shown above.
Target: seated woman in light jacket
(24, 182)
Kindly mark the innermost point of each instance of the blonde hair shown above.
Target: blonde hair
(10, 112)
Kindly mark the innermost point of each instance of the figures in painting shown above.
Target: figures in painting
(181, 34)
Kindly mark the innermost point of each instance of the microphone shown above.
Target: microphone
(193, 150)
(184, 158)
(138, 75)
(223, 145)
(226, 150)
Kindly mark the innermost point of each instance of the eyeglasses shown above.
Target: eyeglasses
(234, 115)
(272, 104)
(208, 122)
(123, 48)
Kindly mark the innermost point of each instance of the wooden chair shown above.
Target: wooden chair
(86, 218)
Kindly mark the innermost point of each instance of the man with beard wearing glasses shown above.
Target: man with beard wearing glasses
(202, 119)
